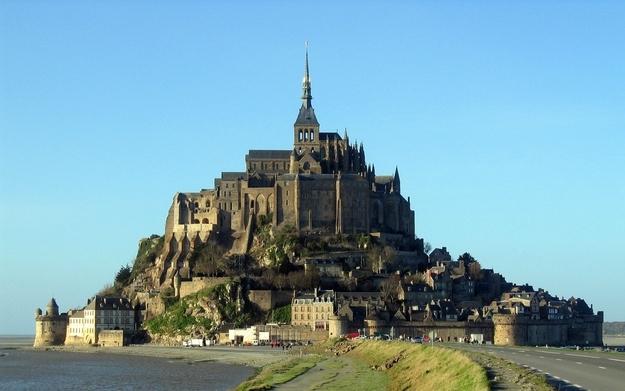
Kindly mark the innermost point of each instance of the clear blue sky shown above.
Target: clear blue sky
(507, 122)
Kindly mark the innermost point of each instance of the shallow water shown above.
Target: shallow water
(57, 370)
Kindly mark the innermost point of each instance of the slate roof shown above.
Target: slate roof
(274, 154)
(108, 303)
(383, 179)
(232, 176)
(306, 116)
(329, 136)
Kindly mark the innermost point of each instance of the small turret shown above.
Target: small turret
(396, 182)
(52, 309)
(38, 312)
(292, 163)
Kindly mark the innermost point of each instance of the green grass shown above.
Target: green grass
(422, 367)
(279, 373)
(419, 368)
(352, 375)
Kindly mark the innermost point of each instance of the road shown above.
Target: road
(567, 369)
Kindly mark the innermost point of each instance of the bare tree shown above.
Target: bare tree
(390, 288)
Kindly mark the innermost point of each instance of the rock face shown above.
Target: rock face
(199, 315)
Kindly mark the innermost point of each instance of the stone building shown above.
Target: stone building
(312, 309)
(100, 314)
(323, 184)
(50, 328)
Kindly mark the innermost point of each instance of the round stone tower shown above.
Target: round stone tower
(509, 329)
(50, 329)
(337, 326)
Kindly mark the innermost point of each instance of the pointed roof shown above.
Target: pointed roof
(306, 114)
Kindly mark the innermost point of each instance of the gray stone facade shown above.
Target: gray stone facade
(322, 184)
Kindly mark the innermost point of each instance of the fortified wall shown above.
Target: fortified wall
(520, 330)
(446, 330)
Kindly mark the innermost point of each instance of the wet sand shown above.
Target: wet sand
(254, 356)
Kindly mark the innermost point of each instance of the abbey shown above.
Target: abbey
(322, 184)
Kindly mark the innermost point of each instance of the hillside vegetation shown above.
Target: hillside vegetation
(199, 314)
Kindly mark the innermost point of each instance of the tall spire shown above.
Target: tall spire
(306, 116)
(306, 96)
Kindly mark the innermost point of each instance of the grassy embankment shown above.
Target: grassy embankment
(377, 365)
(411, 367)
(280, 372)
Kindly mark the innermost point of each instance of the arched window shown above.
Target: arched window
(312, 135)
(205, 221)
(300, 135)
(208, 203)
(305, 134)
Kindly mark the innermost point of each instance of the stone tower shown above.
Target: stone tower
(306, 127)
(51, 328)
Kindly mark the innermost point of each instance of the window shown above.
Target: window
(312, 135)
(300, 136)
(305, 134)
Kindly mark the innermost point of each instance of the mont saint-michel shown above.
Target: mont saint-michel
(305, 244)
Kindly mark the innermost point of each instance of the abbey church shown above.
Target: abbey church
(322, 184)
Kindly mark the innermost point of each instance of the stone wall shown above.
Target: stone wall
(587, 330)
(446, 330)
(267, 300)
(288, 333)
(198, 283)
(111, 338)
(516, 330)
(50, 330)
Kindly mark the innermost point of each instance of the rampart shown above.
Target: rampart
(445, 330)
(198, 283)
